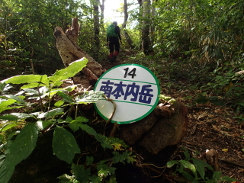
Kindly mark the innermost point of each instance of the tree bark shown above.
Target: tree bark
(96, 29)
(146, 42)
(127, 36)
(152, 27)
(101, 4)
(69, 51)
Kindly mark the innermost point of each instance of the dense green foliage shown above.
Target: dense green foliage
(204, 31)
(21, 128)
(26, 33)
(195, 41)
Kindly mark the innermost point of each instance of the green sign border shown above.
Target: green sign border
(137, 119)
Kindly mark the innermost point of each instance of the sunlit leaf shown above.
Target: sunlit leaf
(188, 165)
(21, 79)
(30, 92)
(31, 85)
(44, 124)
(4, 104)
(171, 163)
(22, 115)
(89, 97)
(8, 126)
(59, 103)
(17, 98)
(68, 72)
(51, 114)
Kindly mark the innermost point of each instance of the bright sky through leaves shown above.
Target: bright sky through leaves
(111, 12)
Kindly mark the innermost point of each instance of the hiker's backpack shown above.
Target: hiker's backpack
(111, 31)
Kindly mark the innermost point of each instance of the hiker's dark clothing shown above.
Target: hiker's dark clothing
(114, 44)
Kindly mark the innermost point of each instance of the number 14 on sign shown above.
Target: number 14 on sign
(131, 73)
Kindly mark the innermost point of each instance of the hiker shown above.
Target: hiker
(113, 39)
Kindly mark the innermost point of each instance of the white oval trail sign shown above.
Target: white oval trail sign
(133, 88)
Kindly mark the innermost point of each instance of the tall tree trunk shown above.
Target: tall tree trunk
(96, 47)
(140, 21)
(127, 36)
(146, 42)
(152, 27)
(101, 4)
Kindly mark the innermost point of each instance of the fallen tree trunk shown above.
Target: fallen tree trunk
(69, 51)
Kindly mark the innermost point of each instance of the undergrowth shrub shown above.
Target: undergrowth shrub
(196, 170)
(42, 105)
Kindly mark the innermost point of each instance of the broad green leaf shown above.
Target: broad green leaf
(17, 98)
(6, 171)
(68, 72)
(89, 97)
(80, 119)
(44, 124)
(24, 143)
(59, 103)
(77, 123)
(30, 92)
(88, 129)
(64, 145)
(170, 164)
(200, 167)
(22, 115)
(51, 114)
(8, 126)
(66, 97)
(31, 85)
(19, 150)
(21, 79)
(4, 104)
(188, 165)
(9, 117)
(70, 88)
(54, 91)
